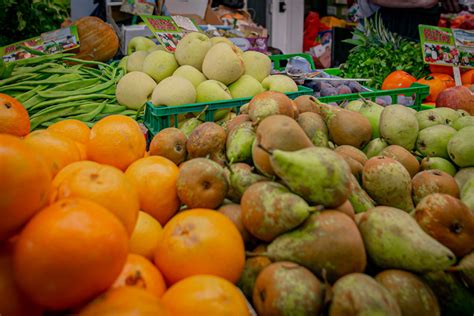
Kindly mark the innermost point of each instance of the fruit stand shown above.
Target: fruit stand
(207, 180)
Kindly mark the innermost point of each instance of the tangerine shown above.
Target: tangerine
(398, 79)
(74, 129)
(155, 178)
(205, 295)
(69, 252)
(24, 186)
(116, 140)
(14, 118)
(146, 236)
(200, 241)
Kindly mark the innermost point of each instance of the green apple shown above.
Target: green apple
(257, 65)
(223, 63)
(159, 65)
(192, 49)
(173, 91)
(245, 86)
(221, 39)
(123, 63)
(279, 83)
(139, 43)
(212, 90)
(135, 61)
(190, 73)
(134, 89)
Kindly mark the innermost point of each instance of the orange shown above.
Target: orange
(125, 301)
(447, 79)
(205, 295)
(65, 173)
(398, 79)
(140, 272)
(468, 77)
(155, 179)
(200, 241)
(24, 184)
(116, 140)
(74, 129)
(69, 252)
(436, 86)
(59, 151)
(82, 150)
(12, 300)
(102, 184)
(14, 118)
(146, 236)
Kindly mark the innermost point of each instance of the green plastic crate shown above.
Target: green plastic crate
(160, 117)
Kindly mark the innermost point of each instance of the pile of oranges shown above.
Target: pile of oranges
(91, 225)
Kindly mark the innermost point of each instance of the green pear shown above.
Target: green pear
(414, 297)
(257, 65)
(388, 182)
(190, 73)
(159, 65)
(155, 48)
(359, 199)
(375, 147)
(354, 105)
(269, 209)
(433, 141)
(192, 49)
(245, 87)
(359, 294)
(314, 127)
(465, 268)
(135, 61)
(139, 43)
(212, 90)
(393, 239)
(122, 64)
(134, 89)
(399, 126)
(463, 112)
(240, 141)
(461, 147)
(173, 91)
(223, 63)
(439, 163)
(189, 125)
(241, 177)
(453, 296)
(372, 111)
(463, 176)
(463, 121)
(448, 115)
(327, 243)
(279, 83)
(467, 194)
(428, 118)
(252, 268)
(318, 174)
(221, 39)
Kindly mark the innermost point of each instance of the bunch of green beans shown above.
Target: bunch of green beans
(57, 87)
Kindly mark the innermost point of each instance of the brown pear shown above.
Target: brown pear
(448, 220)
(352, 152)
(347, 209)
(252, 268)
(236, 121)
(433, 181)
(349, 128)
(169, 143)
(314, 127)
(202, 183)
(403, 156)
(306, 103)
(277, 132)
(270, 103)
(207, 140)
(234, 213)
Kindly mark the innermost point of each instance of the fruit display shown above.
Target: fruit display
(291, 207)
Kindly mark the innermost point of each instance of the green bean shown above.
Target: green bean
(35, 122)
(36, 68)
(88, 62)
(54, 108)
(93, 89)
(55, 79)
(113, 109)
(33, 101)
(73, 98)
(74, 85)
(17, 87)
(29, 94)
(32, 51)
(15, 78)
(87, 117)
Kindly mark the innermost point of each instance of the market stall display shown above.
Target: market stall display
(270, 186)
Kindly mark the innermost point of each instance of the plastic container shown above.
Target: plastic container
(160, 117)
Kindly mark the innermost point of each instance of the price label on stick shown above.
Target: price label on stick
(447, 47)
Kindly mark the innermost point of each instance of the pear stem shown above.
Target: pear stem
(268, 151)
(317, 208)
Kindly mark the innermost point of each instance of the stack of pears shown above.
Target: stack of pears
(365, 210)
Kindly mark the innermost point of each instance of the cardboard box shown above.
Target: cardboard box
(199, 10)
